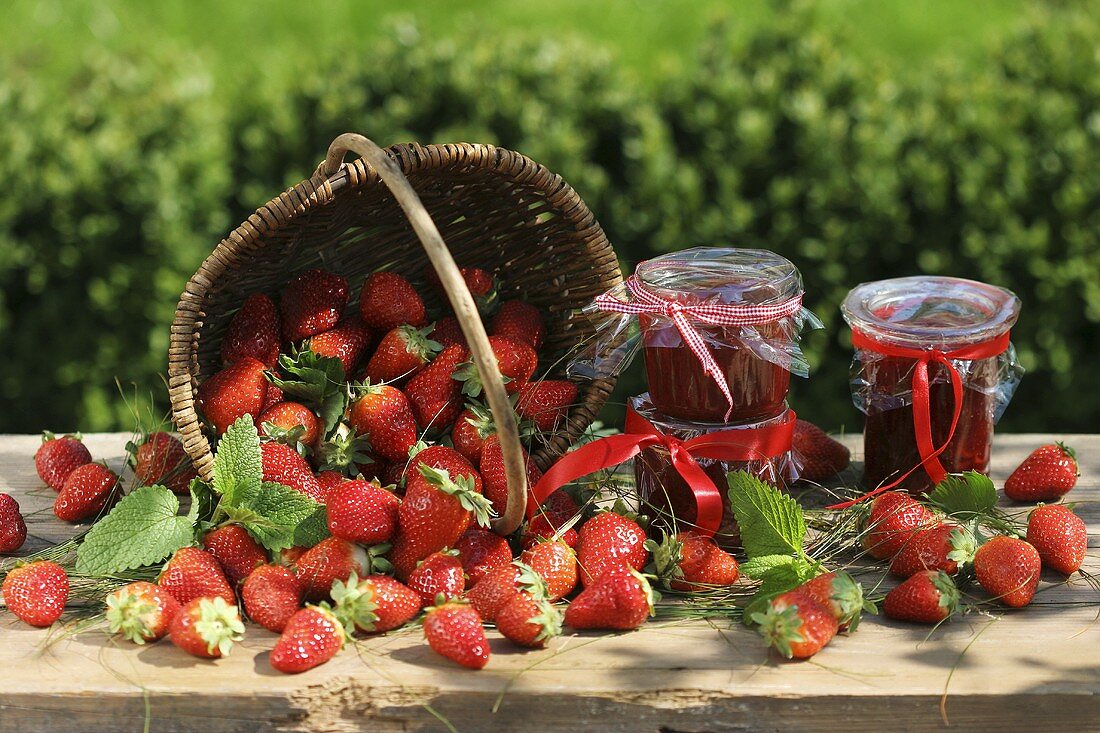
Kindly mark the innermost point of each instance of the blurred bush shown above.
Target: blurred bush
(117, 192)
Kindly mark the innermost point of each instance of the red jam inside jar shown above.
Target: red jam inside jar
(756, 360)
(926, 313)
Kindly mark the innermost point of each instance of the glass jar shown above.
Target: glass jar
(967, 323)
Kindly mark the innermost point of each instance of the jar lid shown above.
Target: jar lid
(930, 312)
(723, 275)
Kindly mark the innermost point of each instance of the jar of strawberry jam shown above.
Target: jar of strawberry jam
(933, 371)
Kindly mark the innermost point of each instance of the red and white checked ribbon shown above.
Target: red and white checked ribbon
(646, 301)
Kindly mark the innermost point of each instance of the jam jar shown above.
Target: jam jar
(755, 358)
(967, 323)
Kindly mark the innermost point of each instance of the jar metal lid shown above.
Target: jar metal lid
(724, 275)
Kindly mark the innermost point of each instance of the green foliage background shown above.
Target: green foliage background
(122, 174)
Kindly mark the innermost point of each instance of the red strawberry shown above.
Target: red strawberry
(619, 598)
(312, 636)
(609, 539)
(1045, 475)
(162, 459)
(329, 480)
(557, 511)
(194, 573)
(347, 341)
(400, 355)
(1008, 569)
(36, 592)
(895, 518)
(87, 491)
(796, 625)
(472, 426)
(927, 597)
(272, 396)
(388, 300)
(519, 321)
(312, 303)
(481, 551)
(501, 584)
(141, 611)
(374, 604)
(235, 391)
(445, 459)
(292, 423)
(481, 283)
(822, 457)
(546, 402)
(516, 360)
(383, 414)
(254, 332)
(435, 396)
(235, 550)
(362, 512)
(492, 473)
(447, 332)
(206, 628)
(57, 457)
(439, 574)
(283, 465)
(330, 560)
(271, 595)
(13, 529)
(1060, 537)
(840, 594)
(556, 563)
(290, 556)
(944, 547)
(454, 630)
(529, 622)
(703, 564)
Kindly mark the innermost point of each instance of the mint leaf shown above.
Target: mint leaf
(280, 517)
(777, 580)
(759, 567)
(144, 528)
(318, 382)
(965, 497)
(771, 522)
(238, 468)
(203, 501)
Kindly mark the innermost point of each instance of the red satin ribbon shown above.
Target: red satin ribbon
(922, 408)
(746, 444)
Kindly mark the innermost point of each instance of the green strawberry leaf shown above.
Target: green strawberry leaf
(238, 468)
(280, 517)
(771, 522)
(965, 496)
(318, 382)
(142, 529)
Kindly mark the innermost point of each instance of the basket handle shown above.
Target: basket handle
(465, 311)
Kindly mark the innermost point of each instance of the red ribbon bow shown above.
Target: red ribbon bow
(746, 444)
(922, 409)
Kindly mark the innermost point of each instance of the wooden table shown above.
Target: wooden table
(1036, 670)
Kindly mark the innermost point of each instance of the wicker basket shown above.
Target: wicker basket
(493, 207)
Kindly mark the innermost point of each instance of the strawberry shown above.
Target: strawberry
(312, 303)
(943, 547)
(87, 491)
(501, 584)
(36, 592)
(529, 622)
(445, 459)
(400, 355)
(481, 283)
(388, 300)
(13, 529)
(472, 426)
(492, 473)
(362, 512)
(291, 555)
(235, 391)
(141, 611)
(374, 604)
(271, 595)
(347, 454)
(699, 563)
(546, 402)
(796, 625)
(453, 630)
(329, 480)
(1059, 536)
(235, 550)
(439, 574)
(254, 332)
(1045, 475)
(272, 396)
(347, 341)
(283, 465)
(481, 551)
(162, 459)
(519, 321)
(895, 518)
(557, 511)
(447, 332)
(822, 457)
(383, 415)
(927, 597)
(609, 539)
(556, 563)
(206, 627)
(1008, 569)
(435, 396)
(619, 599)
(330, 560)
(57, 457)
(291, 423)
(312, 636)
(840, 594)
(194, 573)
(516, 361)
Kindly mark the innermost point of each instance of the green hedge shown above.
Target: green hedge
(116, 192)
